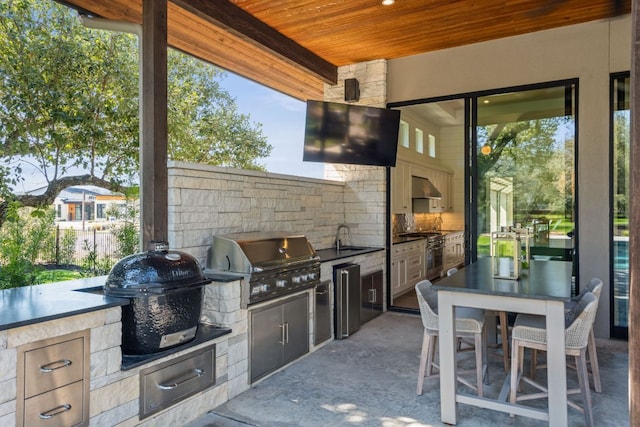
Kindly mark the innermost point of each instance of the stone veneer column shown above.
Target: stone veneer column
(365, 192)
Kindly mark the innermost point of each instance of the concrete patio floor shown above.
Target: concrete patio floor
(370, 378)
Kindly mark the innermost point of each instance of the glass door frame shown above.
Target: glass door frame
(620, 332)
(471, 186)
(470, 159)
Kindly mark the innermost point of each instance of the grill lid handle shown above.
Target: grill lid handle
(158, 246)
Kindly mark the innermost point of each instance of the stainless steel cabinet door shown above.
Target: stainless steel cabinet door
(279, 334)
(296, 322)
(266, 341)
(371, 296)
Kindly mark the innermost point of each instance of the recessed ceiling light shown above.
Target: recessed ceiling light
(388, 2)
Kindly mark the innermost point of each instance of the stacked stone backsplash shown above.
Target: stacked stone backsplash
(209, 200)
(114, 394)
(365, 186)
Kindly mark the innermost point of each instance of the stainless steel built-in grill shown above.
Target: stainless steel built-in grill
(272, 264)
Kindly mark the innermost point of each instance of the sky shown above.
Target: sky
(282, 118)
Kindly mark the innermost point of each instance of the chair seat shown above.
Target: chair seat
(469, 323)
(529, 331)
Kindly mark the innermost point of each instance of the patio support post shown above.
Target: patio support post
(153, 141)
(634, 224)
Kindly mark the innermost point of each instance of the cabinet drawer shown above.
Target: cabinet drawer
(165, 384)
(53, 366)
(59, 407)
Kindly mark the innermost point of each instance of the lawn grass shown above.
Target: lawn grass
(50, 276)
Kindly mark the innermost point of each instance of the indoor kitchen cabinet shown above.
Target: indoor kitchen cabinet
(453, 250)
(401, 188)
(442, 181)
(407, 265)
(371, 293)
(279, 334)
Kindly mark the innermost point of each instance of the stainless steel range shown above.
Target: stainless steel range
(272, 264)
(434, 255)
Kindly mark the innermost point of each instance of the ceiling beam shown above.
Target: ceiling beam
(226, 15)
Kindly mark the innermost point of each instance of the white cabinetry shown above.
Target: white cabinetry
(407, 265)
(401, 188)
(442, 181)
(453, 250)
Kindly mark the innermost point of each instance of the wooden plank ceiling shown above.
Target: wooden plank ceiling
(294, 46)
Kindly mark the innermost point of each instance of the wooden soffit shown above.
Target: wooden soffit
(294, 46)
(203, 37)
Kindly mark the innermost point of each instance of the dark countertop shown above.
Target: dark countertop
(397, 239)
(205, 333)
(34, 304)
(331, 254)
(405, 239)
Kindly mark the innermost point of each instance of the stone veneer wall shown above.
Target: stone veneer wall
(209, 200)
(365, 191)
(114, 394)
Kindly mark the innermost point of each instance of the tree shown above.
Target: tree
(71, 103)
(529, 154)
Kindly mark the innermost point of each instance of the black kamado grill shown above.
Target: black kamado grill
(165, 290)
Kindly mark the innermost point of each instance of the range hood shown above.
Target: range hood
(422, 188)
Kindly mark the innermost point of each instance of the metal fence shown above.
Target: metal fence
(83, 248)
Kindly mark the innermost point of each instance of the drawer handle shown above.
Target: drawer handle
(197, 373)
(55, 411)
(58, 364)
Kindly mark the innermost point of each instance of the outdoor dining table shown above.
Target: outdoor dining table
(541, 289)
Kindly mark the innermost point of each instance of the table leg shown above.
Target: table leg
(556, 364)
(448, 365)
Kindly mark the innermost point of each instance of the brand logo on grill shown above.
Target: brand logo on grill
(180, 274)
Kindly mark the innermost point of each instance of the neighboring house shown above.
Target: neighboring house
(86, 202)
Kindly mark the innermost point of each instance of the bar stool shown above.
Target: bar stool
(504, 329)
(469, 323)
(595, 287)
(529, 331)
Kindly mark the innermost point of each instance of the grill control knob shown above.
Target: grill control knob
(297, 279)
(258, 289)
(281, 283)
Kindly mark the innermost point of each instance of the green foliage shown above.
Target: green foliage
(531, 161)
(126, 230)
(92, 264)
(22, 239)
(67, 247)
(51, 276)
(69, 98)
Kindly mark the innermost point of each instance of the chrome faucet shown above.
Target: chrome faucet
(338, 242)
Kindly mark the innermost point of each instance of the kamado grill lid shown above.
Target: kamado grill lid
(156, 271)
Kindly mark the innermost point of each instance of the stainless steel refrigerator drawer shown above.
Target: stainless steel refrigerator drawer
(53, 366)
(59, 407)
(163, 385)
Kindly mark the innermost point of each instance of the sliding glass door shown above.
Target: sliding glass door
(523, 161)
(620, 128)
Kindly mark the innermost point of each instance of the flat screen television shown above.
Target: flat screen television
(352, 134)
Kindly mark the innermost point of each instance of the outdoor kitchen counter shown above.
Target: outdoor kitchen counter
(34, 304)
(332, 254)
